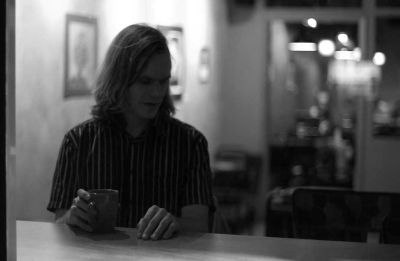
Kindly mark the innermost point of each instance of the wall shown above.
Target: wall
(388, 39)
(378, 168)
(382, 168)
(43, 116)
(243, 88)
(283, 85)
(244, 85)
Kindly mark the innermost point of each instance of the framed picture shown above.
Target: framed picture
(174, 35)
(204, 65)
(80, 55)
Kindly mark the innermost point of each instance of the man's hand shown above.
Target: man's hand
(156, 224)
(81, 214)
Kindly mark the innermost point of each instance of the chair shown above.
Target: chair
(278, 213)
(341, 214)
(217, 221)
(235, 183)
(391, 230)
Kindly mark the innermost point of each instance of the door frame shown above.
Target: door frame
(3, 187)
(7, 130)
(366, 29)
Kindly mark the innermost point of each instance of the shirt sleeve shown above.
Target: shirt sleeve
(64, 180)
(198, 185)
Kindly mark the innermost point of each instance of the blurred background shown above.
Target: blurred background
(288, 93)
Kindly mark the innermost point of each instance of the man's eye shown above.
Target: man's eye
(145, 81)
(165, 81)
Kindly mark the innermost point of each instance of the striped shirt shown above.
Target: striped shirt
(168, 166)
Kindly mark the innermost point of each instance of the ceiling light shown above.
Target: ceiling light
(311, 22)
(343, 38)
(379, 58)
(326, 47)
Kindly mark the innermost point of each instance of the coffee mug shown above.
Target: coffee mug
(106, 205)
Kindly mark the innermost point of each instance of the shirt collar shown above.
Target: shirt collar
(158, 124)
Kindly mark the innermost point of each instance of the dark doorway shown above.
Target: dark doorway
(3, 199)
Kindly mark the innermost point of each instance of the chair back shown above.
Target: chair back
(391, 230)
(341, 214)
(217, 221)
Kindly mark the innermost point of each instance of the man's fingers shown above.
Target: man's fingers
(77, 212)
(146, 219)
(83, 194)
(162, 226)
(172, 228)
(90, 208)
(81, 204)
(77, 221)
(154, 223)
(157, 223)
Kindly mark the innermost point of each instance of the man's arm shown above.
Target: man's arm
(157, 223)
(60, 215)
(194, 218)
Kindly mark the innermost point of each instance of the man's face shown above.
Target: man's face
(145, 96)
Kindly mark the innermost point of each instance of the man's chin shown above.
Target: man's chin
(149, 115)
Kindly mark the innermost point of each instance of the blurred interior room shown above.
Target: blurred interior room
(288, 94)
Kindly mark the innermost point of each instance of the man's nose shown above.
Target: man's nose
(157, 88)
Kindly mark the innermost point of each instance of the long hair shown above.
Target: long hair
(126, 57)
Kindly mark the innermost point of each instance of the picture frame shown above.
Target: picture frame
(174, 36)
(81, 44)
(204, 70)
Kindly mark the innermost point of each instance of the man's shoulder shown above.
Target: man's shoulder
(87, 131)
(88, 126)
(185, 128)
(85, 125)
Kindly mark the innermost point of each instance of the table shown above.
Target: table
(49, 241)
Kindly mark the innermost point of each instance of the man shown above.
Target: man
(159, 164)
